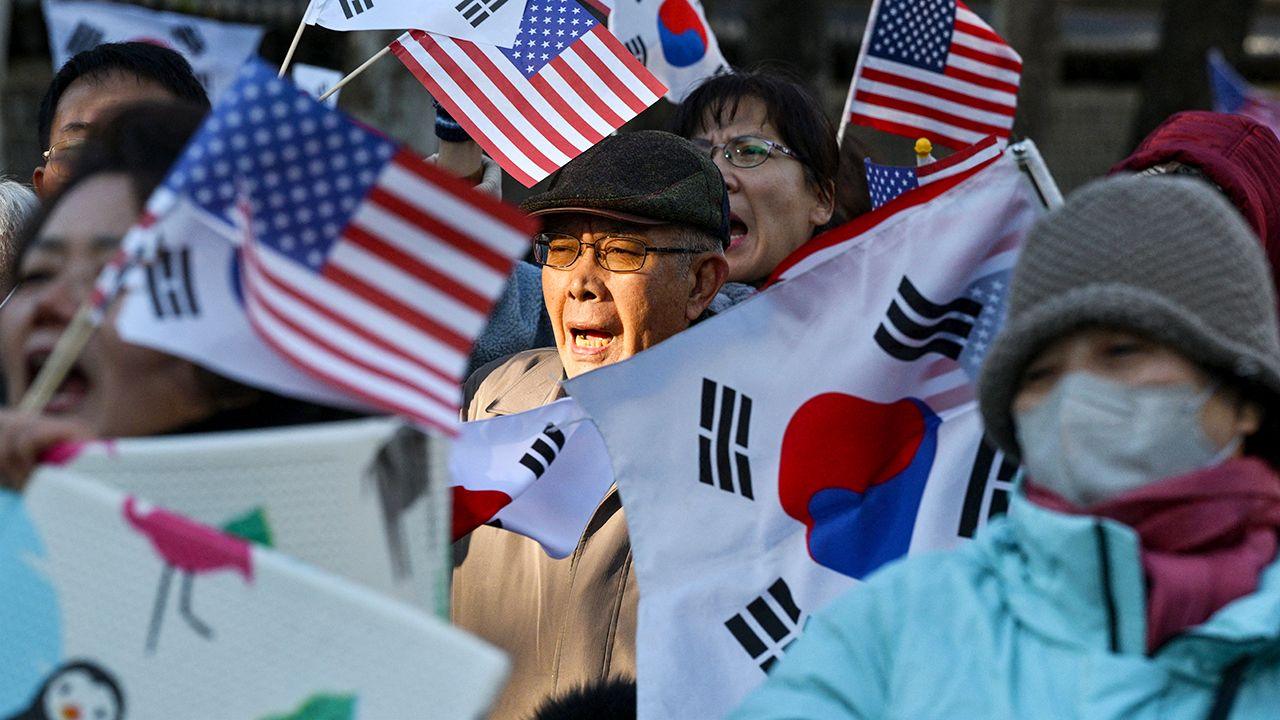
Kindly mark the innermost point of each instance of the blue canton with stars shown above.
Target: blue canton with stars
(990, 291)
(549, 27)
(304, 167)
(914, 32)
(886, 182)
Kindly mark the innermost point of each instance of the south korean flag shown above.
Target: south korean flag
(216, 50)
(184, 298)
(771, 458)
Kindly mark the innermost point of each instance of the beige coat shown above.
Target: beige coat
(565, 622)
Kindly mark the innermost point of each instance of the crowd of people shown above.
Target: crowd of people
(1137, 379)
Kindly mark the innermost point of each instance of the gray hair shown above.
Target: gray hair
(17, 206)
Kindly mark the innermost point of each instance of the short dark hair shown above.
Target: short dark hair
(853, 197)
(140, 141)
(789, 107)
(146, 61)
(613, 699)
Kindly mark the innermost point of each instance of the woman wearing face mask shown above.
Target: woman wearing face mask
(115, 389)
(1136, 573)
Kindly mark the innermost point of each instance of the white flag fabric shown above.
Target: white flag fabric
(216, 50)
(116, 609)
(493, 22)
(189, 303)
(317, 81)
(774, 455)
(540, 473)
(672, 39)
(356, 498)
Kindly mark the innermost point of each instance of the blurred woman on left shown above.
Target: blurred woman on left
(114, 389)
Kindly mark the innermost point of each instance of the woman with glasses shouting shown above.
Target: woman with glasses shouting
(777, 152)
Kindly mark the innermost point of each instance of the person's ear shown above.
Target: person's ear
(708, 271)
(824, 205)
(1249, 416)
(37, 181)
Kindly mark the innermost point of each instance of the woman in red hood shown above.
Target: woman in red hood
(1238, 155)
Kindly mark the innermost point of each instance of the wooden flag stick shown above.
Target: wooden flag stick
(352, 75)
(64, 355)
(293, 47)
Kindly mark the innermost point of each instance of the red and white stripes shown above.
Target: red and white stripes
(532, 125)
(975, 95)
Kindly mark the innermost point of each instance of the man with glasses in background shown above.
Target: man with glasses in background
(94, 83)
(632, 252)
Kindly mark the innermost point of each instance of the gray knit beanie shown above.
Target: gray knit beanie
(1167, 257)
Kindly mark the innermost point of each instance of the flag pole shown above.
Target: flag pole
(857, 71)
(65, 353)
(352, 75)
(1032, 164)
(293, 47)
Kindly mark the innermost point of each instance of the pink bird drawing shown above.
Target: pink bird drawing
(192, 548)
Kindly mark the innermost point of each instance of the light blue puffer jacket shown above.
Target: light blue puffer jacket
(1042, 616)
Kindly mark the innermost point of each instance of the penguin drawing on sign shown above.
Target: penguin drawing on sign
(78, 690)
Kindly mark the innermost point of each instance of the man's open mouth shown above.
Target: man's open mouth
(590, 339)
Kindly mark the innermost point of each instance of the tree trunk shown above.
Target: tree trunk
(1176, 78)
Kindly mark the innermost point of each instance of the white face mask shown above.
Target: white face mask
(1092, 439)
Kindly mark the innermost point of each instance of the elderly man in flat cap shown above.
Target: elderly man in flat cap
(632, 252)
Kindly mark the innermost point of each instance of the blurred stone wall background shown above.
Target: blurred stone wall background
(1099, 73)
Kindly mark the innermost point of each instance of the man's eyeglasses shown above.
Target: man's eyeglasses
(63, 152)
(745, 151)
(616, 253)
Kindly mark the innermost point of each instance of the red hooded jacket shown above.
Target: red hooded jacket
(1239, 155)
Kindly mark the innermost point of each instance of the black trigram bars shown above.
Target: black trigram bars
(351, 8)
(544, 450)
(768, 626)
(637, 47)
(477, 11)
(171, 286)
(189, 36)
(84, 37)
(990, 483)
(723, 439)
(939, 333)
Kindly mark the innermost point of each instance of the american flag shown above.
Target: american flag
(362, 264)
(956, 169)
(1233, 94)
(565, 84)
(887, 182)
(934, 68)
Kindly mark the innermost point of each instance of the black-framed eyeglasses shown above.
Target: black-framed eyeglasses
(615, 253)
(745, 151)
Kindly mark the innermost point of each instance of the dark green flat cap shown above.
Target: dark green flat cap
(648, 177)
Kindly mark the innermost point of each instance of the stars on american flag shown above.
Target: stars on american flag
(298, 168)
(542, 22)
(915, 32)
(886, 182)
(990, 292)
